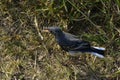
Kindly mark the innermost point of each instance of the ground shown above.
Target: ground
(25, 55)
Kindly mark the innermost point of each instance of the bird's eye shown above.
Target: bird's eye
(51, 31)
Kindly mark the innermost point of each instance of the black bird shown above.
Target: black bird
(72, 44)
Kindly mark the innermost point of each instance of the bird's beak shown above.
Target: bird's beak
(46, 30)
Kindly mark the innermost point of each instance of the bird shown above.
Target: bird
(72, 44)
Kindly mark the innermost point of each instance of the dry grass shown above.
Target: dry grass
(25, 56)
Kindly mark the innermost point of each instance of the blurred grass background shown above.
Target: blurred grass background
(24, 56)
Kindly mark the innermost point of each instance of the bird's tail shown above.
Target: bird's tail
(98, 51)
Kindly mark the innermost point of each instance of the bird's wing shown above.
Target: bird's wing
(81, 45)
(71, 42)
(75, 45)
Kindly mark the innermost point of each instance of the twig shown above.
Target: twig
(36, 26)
(118, 30)
(40, 35)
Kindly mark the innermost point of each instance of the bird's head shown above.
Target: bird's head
(54, 30)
